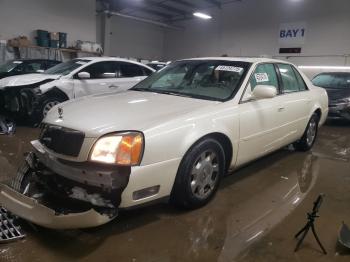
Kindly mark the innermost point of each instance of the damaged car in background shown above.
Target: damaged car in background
(337, 85)
(171, 137)
(25, 66)
(31, 96)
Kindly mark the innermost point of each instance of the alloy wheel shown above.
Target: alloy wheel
(205, 174)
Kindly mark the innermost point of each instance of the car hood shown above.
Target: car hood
(337, 93)
(131, 110)
(28, 79)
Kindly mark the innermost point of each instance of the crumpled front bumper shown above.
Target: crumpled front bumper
(337, 111)
(31, 210)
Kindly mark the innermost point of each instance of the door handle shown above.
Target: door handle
(280, 109)
(113, 86)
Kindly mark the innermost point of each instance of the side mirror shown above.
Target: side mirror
(264, 92)
(40, 71)
(84, 75)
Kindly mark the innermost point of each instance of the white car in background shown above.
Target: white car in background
(34, 95)
(174, 135)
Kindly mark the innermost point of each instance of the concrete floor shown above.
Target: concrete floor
(252, 218)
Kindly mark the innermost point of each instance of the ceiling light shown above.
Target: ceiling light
(202, 15)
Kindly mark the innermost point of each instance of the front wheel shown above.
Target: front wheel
(199, 175)
(48, 104)
(308, 139)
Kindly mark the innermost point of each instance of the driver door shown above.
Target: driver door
(103, 79)
(260, 120)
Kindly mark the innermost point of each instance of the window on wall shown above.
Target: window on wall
(264, 74)
(289, 79)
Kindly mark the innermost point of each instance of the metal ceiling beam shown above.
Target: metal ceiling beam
(120, 5)
(184, 3)
(110, 13)
(214, 2)
(167, 7)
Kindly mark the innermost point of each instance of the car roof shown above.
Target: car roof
(107, 58)
(241, 59)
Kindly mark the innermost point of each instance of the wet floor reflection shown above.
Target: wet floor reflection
(12, 149)
(248, 205)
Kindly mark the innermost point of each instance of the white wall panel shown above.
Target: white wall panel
(22, 17)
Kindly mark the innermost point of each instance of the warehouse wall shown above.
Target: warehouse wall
(22, 17)
(135, 39)
(251, 28)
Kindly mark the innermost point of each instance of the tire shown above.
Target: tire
(45, 105)
(199, 175)
(309, 137)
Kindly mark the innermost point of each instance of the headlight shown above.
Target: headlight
(122, 149)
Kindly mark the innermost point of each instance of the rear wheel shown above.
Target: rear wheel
(308, 139)
(199, 174)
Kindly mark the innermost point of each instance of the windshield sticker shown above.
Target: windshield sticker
(17, 62)
(261, 77)
(229, 69)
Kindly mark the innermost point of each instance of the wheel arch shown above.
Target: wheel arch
(56, 92)
(223, 140)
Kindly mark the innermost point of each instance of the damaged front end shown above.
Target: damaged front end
(20, 101)
(46, 198)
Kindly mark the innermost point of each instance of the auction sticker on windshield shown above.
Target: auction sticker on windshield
(261, 77)
(229, 69)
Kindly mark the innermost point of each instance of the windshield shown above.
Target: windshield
(9, 66)
(203, 79)
(332, 80)
(67, 67)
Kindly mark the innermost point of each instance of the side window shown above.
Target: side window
(33, 67)
(301, 82)
(51, 64)
(130, 70)
(101, 70)
(264, 74)
(289, 80)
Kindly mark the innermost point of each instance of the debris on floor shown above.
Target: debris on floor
(7, 127)
(9, 231)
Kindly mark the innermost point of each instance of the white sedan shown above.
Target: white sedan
(173, 136)
(33, 95)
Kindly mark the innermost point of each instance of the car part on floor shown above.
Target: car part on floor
(7, 127)
(8, 230)
(310, 224)
(344, 236)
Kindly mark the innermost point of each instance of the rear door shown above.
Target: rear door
(296, 103)
(260, 120)
(130, 74)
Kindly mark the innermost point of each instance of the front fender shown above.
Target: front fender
(173, 139)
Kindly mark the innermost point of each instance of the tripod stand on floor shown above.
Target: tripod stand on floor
(311, 217)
